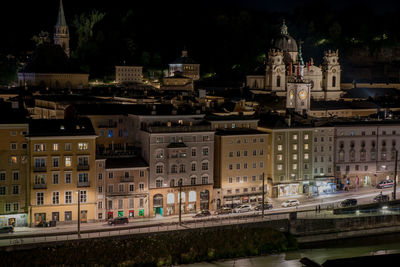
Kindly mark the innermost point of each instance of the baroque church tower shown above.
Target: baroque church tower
(276, 72)
(298, 92)
(61, 33)
(331, 74)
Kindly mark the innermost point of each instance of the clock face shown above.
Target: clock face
(302, 94)
(333, 70)
(291, 94)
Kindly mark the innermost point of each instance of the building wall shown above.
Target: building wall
(128, 74)
(13, 173)
(118, 188)
(291, 160)
(365, 152)
(241, 163)
(100, 181)
(67, 149)
(115, 133)
(53, 80)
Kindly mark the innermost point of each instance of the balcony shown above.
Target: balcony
(123, 193)
(39, 168)
(40, 186)
(124, 179)
(84, 184)
(82, 167)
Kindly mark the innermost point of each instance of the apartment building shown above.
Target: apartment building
(289, 155)
(240, 157)
(365, 152)
(126, 188)
(179, 151)
(62, 160)
(13, 170)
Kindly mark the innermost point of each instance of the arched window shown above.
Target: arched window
(160, 154)
(278, 81)
(334, 81)
(172, 183)
(192, 196)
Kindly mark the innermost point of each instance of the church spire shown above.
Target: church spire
(284, 29)
(61, 32)
(61, 17)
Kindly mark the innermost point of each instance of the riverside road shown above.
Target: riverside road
(306, 209)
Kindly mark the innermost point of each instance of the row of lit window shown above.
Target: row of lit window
(244, 179)
(160, 167)
(40, 162)
(126, 174)
(81, 146)
(294, 137)
(279, 157)
(55, 200)
(295, 146)
(179, 139)
(40, 179)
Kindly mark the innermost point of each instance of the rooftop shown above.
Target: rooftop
(124, 163)
(238, 131)
(43, 127)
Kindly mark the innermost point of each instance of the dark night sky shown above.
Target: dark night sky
(20, 20)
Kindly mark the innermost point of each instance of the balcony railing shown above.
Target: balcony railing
(82, 167)
(39, 186)
(39, 168)
(126, 179)
(84, 184)
(123, 193)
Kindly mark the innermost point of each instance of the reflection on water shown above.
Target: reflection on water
(319, 255)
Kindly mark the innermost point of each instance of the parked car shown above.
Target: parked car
(290, 203)
(381, 198)
(348, 202)
(385, 184)
(243, 208)
(202, 213)
(224, 210)
(267, 206)
(7, 229)
(118, 220)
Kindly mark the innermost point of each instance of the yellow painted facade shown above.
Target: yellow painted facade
(13, 171)
(59, 167)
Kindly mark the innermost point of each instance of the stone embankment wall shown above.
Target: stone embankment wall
(159, 249)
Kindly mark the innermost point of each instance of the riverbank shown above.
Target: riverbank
(165, 248)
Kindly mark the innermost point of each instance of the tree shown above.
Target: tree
(84, 25)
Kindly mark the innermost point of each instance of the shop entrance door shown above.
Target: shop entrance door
(84, 216)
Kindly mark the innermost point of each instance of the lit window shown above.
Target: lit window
(306, 137)
(306, 156)
(83, 146)
(68, 162)
(305, 146)
(279, 157)
(279, 167)
(56, 147)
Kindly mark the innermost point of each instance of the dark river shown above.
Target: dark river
(318, 253)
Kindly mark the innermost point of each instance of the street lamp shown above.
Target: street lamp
(180, 201)
(395, 177)
(263, 185)
(79, 213)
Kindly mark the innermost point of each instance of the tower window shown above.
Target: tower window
(334, 81)
(278, 81)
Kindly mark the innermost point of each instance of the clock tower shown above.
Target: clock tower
(298, 89)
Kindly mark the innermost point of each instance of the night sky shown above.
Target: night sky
(163, 29)
(20, 20)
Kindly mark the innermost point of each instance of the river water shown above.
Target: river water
(320, 253)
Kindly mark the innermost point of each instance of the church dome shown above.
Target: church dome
(285, 42)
